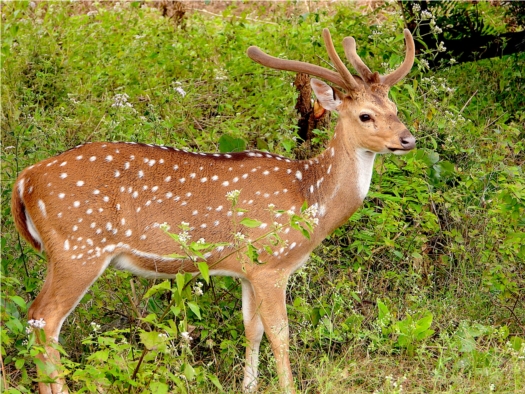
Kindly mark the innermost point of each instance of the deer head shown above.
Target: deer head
(367, 116)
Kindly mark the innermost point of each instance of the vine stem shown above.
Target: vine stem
(2, 367)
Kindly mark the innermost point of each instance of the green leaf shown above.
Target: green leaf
(229, 144)
(181, 281)
(19, 363)
(215, 381)
(195, 309)
(204, 270)
(383, 310)
(189, 372)
(252, 253)
(151, 340)
(423, 324)
(252, 223)
(159, 387)
(157, 288)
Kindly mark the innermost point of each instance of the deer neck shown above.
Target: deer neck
(345, 173)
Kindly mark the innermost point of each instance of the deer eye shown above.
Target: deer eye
(365, 117)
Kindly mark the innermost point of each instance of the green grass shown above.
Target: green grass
(423, 287)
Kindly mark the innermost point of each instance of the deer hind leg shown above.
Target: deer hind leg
(270, 303)
(64, 287)
(254, 331)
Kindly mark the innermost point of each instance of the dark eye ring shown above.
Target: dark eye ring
(365, 117)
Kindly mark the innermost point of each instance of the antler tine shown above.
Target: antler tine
(395, 76)
(370, 77)
(352, 56)
(293, 65)
(350, 83)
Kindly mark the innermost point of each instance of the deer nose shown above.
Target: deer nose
(407, 141)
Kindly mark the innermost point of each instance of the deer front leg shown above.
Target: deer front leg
(270, 304)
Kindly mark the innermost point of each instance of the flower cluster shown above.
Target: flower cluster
(184, 236)
(40, 323)
(121, 100)
(178, 88)
(311, 212)
(434, 28)
(197, 289)
(233, 195)
(239, 236)
(186, 337)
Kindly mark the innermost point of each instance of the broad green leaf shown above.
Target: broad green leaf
(157, 288)
(424, 323)
(229, 144)
(252, 253)
(181, 281)
(383, 310)
(195, 309)
(159, 387)
(19, 301)
(204, 270)
(252, 223)
(215, 381)
(151, 340)
(189, 372)
(19, 363)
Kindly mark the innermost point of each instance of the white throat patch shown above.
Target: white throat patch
(364, 167)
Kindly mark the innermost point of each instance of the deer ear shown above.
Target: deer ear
(329, 97)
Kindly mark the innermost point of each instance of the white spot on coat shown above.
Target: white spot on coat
(42, 207)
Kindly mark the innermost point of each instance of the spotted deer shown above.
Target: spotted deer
(103, 204)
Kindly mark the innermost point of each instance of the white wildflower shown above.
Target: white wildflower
(423, 64)
(165, 226)
(121, 100)
(425, 14)
(180, 91)
(232, 195)
(186, 336)
(442, 47)
(184, 237)
(416, 8)
(40, 323)
(311, 211)
(201, 241)
(178, 88)
(197, 289)
(92, 13)
(452, 61)
(95, 327)
(239, 236)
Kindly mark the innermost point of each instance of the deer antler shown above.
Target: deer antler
(342, 78)
(369, 77)
(350, 83)
(260, 57)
